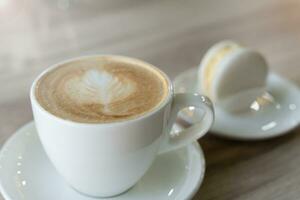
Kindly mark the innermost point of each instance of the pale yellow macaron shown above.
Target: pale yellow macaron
(232, 75)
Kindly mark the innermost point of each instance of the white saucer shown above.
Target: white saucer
(27, 174)
(279, 114)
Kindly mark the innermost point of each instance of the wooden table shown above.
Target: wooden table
(173, 35)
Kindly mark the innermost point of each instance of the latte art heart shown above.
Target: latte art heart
(101, 89)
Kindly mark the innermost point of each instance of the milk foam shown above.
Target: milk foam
(101, 89)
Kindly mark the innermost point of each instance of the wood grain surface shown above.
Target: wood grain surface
(172, 34)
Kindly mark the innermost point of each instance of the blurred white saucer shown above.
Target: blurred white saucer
(27, 174)
(274, 114)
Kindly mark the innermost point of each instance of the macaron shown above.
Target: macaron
(232, 75)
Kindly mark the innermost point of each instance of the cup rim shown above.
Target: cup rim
(34, 101)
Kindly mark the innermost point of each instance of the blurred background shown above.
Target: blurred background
(171, 34)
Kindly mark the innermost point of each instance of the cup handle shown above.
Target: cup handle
(196, 131)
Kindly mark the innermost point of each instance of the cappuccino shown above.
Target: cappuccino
(101, 89)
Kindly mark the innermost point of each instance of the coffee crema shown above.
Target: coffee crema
(101, 89)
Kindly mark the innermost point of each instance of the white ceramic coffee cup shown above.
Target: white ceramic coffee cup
(107, 159)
